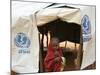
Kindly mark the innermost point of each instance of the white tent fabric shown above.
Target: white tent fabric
(89, 54)
(89, 47)
(65, 14)
(20, 9)
(25, 59)
(25, 46)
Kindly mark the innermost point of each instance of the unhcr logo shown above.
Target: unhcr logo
(86, 28)
(23, 42)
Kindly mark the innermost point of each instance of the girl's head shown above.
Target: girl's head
(55, 43)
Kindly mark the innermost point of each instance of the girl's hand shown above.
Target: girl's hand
(56, 59)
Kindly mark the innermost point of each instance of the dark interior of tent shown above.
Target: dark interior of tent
(64, 31)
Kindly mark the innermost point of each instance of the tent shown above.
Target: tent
(60, 20)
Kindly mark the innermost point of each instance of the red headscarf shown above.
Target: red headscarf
(49, 63)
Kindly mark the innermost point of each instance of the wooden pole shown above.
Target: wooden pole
(75, 46)
(47, 39)
(80, 52)
(65, 44)
(41, 54)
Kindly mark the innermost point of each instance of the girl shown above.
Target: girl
(53, 59)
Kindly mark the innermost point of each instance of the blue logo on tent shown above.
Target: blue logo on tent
(86, 27)
(22, 41)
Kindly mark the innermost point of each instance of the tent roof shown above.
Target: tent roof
(61, 21)
(53, 12)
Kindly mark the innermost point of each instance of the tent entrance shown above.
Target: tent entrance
(70, 38)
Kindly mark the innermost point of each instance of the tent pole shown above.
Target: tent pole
(75, 46)
(40, 62)
(41, 53)
(41, 50)
(40, 59)
(51, 35)
(65, 44)
(47, 39)
(80, 52)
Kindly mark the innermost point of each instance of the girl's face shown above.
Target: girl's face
(55, 44)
